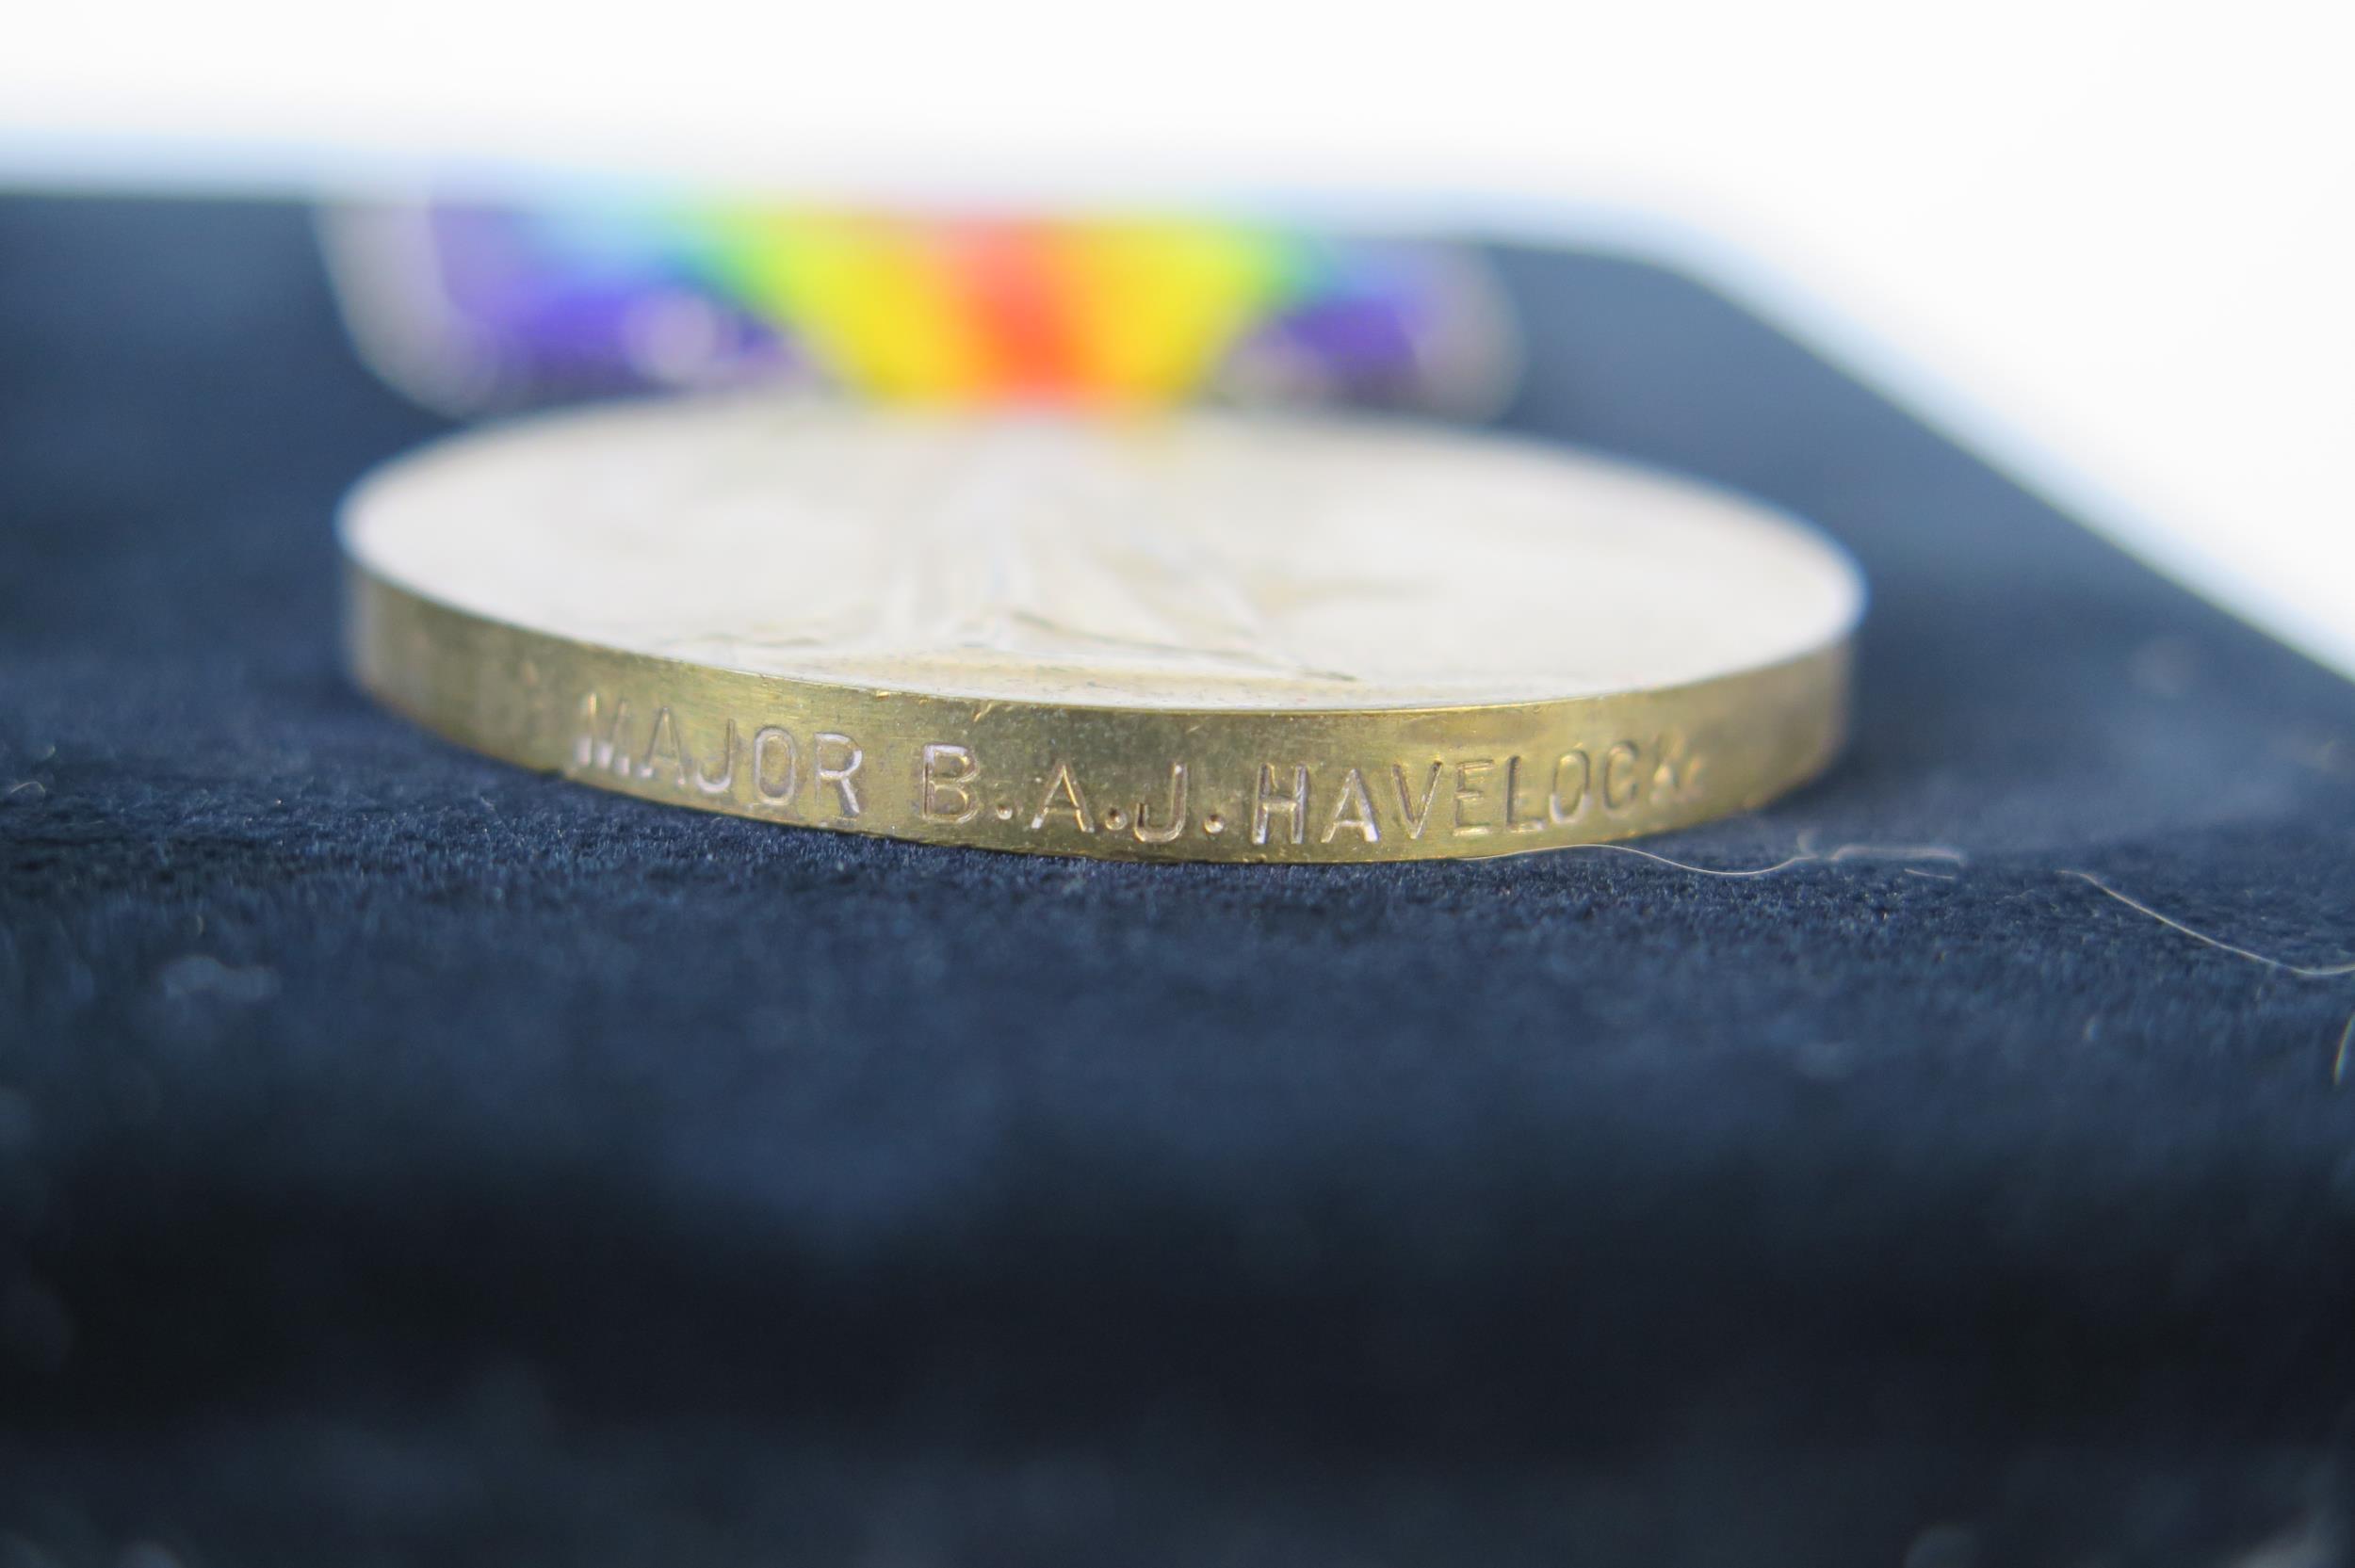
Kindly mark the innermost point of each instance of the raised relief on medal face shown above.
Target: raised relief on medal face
(1030, 559)
(1199, 562)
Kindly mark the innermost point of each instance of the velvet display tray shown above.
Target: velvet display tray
(405, 1158)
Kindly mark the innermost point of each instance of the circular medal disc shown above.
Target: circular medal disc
(1194, 638)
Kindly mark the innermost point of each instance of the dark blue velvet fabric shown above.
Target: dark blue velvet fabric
(407, 1159)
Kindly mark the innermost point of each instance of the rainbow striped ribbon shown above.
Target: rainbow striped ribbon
(475, 306)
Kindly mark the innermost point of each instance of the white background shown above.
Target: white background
(2111, 245)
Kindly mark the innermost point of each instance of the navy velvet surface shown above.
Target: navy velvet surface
(405, 1158)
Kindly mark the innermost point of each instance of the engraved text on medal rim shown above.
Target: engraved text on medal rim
(825, 775)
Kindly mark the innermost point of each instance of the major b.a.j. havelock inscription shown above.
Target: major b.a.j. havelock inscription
(827, 776)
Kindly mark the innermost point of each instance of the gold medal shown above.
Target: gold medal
(1200, 638)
